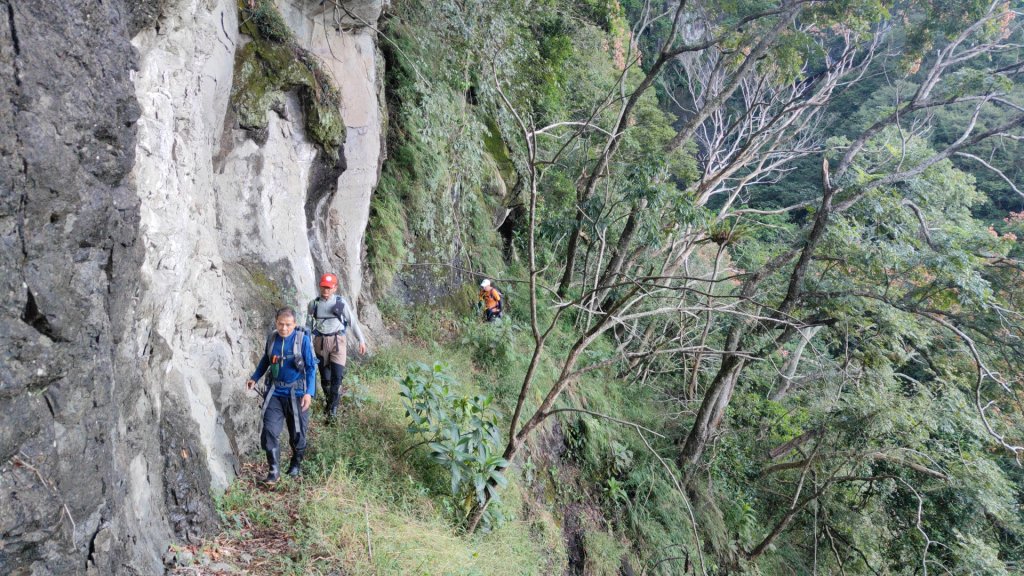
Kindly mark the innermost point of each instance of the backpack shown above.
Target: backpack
(337, 311)
(501, 300)
(300, 361)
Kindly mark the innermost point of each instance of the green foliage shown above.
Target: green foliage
(265, 19)
(356, 393)
(603, 553)
(386, 232)
(880, 421)
(493, 344)
(742, 520)
(361, 490)
(453, 148)
(273, 63)
(436, 195)
(462, 434)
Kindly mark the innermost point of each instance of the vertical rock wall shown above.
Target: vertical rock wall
(144, 241)
(69, 220)
(345, 39)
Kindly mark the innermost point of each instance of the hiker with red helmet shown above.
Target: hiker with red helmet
(330, 317)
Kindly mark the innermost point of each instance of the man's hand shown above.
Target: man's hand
(362, 348)
(250, 384)
(306, 401)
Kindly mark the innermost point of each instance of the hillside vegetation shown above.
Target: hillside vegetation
(764, 277)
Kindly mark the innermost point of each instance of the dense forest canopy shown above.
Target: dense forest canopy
(789, 230)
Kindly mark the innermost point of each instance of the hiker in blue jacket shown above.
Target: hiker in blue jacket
(290, 366)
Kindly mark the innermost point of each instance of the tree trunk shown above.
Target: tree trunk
(711, 411)
(791, 364)
(619, 253)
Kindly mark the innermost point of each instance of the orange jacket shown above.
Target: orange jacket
(490, 297)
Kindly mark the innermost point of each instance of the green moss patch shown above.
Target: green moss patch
(387, 228)
(273, 64)
(496, 148)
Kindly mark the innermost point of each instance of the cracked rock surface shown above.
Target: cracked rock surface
(69, 220)
(144, 239)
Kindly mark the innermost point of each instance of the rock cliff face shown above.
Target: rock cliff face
(145, 239)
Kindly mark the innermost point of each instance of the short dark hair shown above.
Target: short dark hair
(285, 311)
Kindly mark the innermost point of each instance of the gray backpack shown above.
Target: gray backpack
(300, 361)
(337, 311)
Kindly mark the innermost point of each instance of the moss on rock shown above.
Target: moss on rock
(273, 64)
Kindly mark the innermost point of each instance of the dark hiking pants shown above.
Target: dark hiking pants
(332, 351)
(331, 375)
(278, 415)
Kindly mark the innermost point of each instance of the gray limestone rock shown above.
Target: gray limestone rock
(144, 238)
(69, 227)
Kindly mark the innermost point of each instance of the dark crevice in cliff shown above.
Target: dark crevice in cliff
(227, 36)
(15, 43)
(21, 217)
(100, 543)
(36, 319)
(14, 95)
(323, 182)
(14, 30)
(108, 271)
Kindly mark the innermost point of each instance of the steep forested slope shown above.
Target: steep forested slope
(764, 274)
(760, 259)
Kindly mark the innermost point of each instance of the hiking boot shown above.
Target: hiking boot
(273, 473)
(295, 468)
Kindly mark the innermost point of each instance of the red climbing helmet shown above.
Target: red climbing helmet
(329, 280)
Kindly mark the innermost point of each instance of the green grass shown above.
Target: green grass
(372, 502)
(369, 504)
(604, 553)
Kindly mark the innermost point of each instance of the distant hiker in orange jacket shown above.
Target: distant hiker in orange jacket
(490, 299)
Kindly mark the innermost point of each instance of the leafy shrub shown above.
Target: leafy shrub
(493, 344)
(356, 393)
(462, 433)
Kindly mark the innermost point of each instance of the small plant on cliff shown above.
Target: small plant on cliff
(461, 431)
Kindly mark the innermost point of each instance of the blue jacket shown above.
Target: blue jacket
(289, 372)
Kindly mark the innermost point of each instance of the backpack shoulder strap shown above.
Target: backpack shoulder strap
(339, 311)
(297, 342)
(270, 343)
